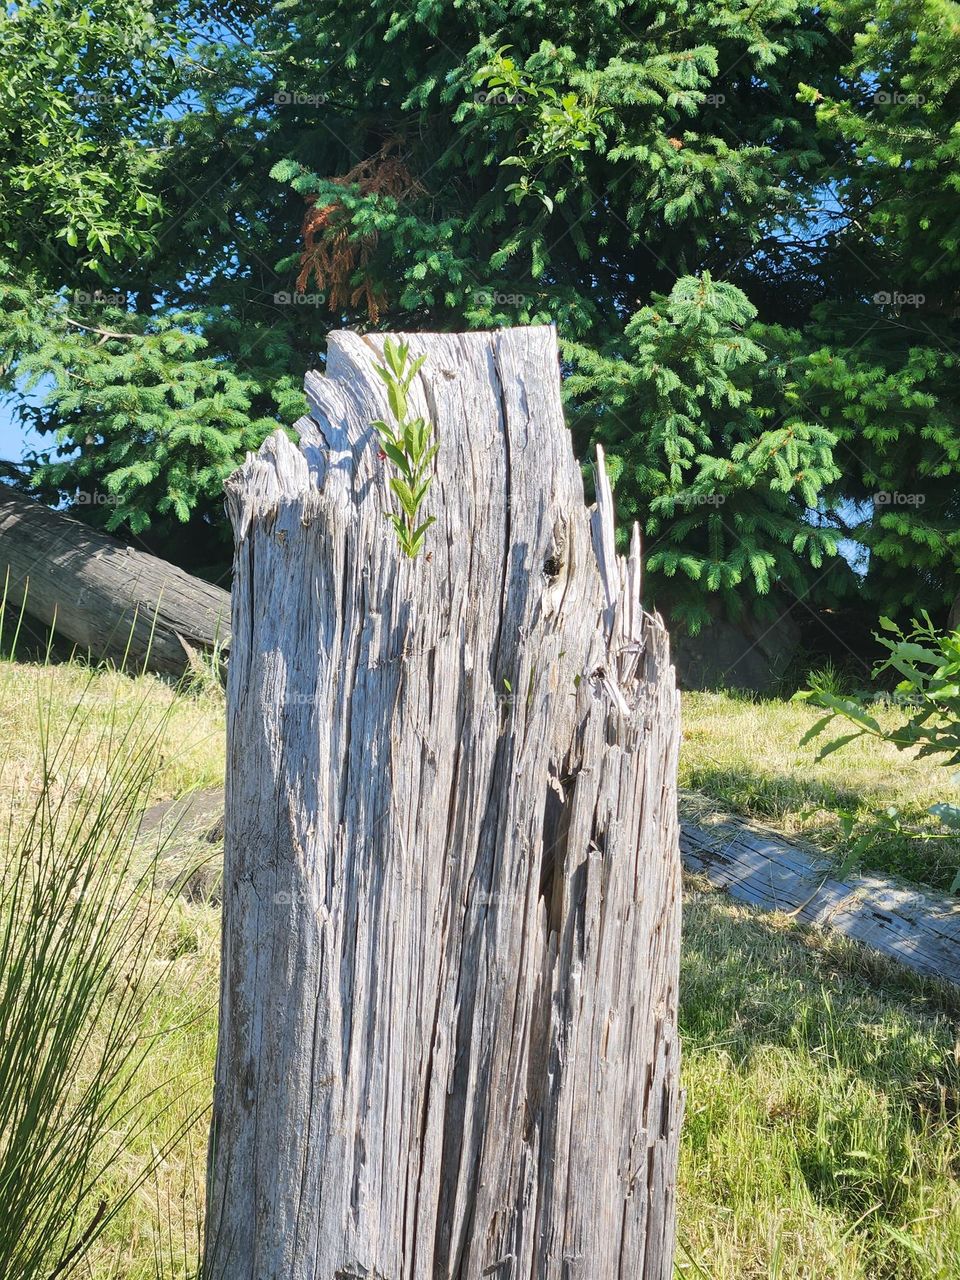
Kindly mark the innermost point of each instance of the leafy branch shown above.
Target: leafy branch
(409, 445)
(928, 662)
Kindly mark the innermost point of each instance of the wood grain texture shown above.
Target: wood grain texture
(766, 870)
(109, 599)
(448, 1042)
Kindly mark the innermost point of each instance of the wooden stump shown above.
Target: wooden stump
(448, 1041)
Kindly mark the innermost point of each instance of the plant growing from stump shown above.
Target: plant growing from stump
(409, 444)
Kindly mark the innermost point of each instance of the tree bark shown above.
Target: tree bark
(448, 1041)
(103, 596)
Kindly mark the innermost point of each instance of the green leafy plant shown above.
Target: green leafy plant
(928, 662)
(827, 678)
(409, 444)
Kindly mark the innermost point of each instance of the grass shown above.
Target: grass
(192, 754)
(108, 982)
(823, 1086)
(740, 754)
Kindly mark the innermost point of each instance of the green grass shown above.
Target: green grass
(741, 754)
(108, 986)
(823, 1088)
(193, 751)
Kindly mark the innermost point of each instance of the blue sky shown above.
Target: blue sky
(14, 439)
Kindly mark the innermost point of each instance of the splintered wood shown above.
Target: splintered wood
(767, 870)
(448, 1042)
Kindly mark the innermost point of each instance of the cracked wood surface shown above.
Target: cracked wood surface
(104, 596)
(767, 870)
(448, 1041)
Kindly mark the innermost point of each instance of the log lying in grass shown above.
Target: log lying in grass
(106, 598)
(448, 1036)
(767, 870)
(915, 927)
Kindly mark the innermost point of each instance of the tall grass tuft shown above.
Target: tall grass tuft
(79, 908)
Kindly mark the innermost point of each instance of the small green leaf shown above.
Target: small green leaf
(396, 456)
(817, 728)
(837, 743)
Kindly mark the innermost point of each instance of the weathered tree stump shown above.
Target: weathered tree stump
(109, 599)
(448, 1042)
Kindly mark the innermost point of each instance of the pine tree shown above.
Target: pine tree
(704, 193)
(724, 486)
(878, 361)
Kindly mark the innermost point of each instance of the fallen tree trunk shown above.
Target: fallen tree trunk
(448, 1040)
(103, 596)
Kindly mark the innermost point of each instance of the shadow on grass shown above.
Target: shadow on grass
(832, 1073)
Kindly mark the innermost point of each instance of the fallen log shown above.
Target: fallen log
(767, 870)
(104, 597)
(448, 1020)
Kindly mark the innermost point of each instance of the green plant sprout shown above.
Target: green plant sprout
(409, 445)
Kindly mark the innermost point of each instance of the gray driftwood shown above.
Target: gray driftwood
(103, 596)
(448, 1042)
(765, 869)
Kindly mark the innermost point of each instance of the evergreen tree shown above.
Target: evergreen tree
(701, 196)
(723, 483)
(879, 358)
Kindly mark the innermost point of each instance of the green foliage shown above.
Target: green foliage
(827, 679)
(168, 418)
(724, 487)
(880, 357)
(704, 198)
(928, 693)
(409, 444)
(557, 179)
(80, 81)
(928, 663)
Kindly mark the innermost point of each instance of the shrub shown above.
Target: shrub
(928, 692)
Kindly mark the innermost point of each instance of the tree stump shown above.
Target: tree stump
(448, 1041)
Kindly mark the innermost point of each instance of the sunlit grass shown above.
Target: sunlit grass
(84, 700)
(821, 1136)
(86, 908)
(823, 1087)
(742, 755)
